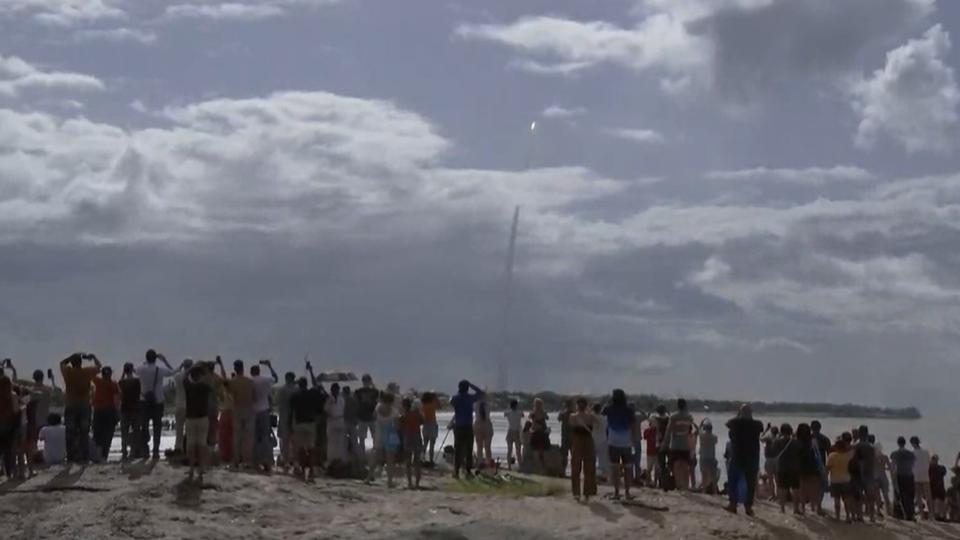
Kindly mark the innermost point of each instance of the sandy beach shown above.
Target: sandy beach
(143, 502)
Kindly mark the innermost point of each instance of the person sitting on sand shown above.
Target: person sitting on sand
(709, 466)
(600, 447)
(106, 402)
(744, 457)
(582, 425)
(903, 462)
(514, 418)
(240, 388)
(539, 435)
(838, 470)
(620, 440)
(132, 443)
(197, 387)
(76, 403)
(677, 445)
(262, 394)
(463, 403)
(388, 442)
(305, 405)
(54, 437)
(411, 422)
(483, 432)
(938, 489)
(431, 429)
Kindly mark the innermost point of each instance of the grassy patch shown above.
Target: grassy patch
(508, 486)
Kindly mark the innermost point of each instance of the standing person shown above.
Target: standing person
(180, 404)
(197, 387)
(770, 439)
(744, 457)
(240, 388)
(388, 439)
(865, 480)
(106, 402)
(938, 488)
(564, 419)
(225, 431)
(709, 467)
(838, 470)
(350, 422)
(76, 403)
(620, 423)
(514, 418)
(483, 432)
(824, 446)
(660, 421)
(54, 437)
(9, 425)
(283, 417)
(652, 474)
(600, 446)
(539, 435)
(367, 398)
(903, 463)
(151, 378)
(411, 422)
(262, 394)
(431, 429)
(37, 410)
(305, 405)
(131, 438)
(582, 425)
(463, 426)
(677, 445)
(921, 475)
(881, 467)
(336, 429)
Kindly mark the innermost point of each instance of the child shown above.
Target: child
(54, 437)
(411, 421)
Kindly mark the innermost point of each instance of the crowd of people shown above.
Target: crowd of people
(229, 419)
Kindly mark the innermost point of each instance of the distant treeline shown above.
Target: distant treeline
(647, 402)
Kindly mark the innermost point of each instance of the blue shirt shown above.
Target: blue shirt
(463, 409)
(619, 423)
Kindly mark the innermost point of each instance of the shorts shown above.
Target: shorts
(620, 454)
(483, 429)
(412, 446)
(305, 435)
(430, 431)
(838, 491)
(196, 431)
(513, 436)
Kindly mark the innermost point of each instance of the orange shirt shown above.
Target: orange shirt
(429, 412)
(76, 383)
(105, 393)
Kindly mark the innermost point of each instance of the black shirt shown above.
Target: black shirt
(198, 398)
(366, 403)
(129, 394)
(823, 444)
(305, 405)
(937, 487)
(745, 441)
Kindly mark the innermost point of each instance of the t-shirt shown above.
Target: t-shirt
(366, 403)
(179, 397)
(410, 423)
(241, 390)
(76, 384)
(865, 456)
(151, 379)
(284, 393)
(903, 461)
(196, 397)
(429, 412)
(54, 444)
(463, 409)
(921, 467)
(650, 435)
(838, 466)
(708, 446)
(305, 405)
(745, 441)
(129, 394)
(937, 487)
(823, 444)
(262, 392)
(39, 406)
(678, 431)
(105, 393)
(514, 419)
(619, 424)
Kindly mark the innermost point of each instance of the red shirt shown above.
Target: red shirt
(650, 435)
(105, 393)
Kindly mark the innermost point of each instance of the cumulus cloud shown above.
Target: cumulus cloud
(18, 76)
(913, 99)
(63, 12)
(224, 11)
(122, 34)
(808, 176)
(556, 111)
(641, 136)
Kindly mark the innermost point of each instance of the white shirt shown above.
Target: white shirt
(151, 379)
(262, 389)
(335, 408)
(514, 419)
(54, 444)
(180, 395)
(921, 467)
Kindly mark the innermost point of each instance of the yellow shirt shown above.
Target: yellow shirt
(76, 383)
(838, 465)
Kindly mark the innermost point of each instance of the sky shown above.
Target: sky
(721, 198)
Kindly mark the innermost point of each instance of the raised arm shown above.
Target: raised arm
(476, 389)
(163, 359)
(53, 382)
(66, 361)
(223, 373)
(13, 370)
(313, 377)
(273, 372)
(96, 361)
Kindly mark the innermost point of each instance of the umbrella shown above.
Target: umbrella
(337, 376)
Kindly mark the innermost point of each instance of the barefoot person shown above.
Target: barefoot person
(539, 436)
(37, 409)
(411, 422)
(151, 378)
(198, 385)
(262, 393)
(305, 405)
(838, 471)
(463, 403)
(283, 418)
(106, 403)
(903, 463)
(583, 457)
(514, 418)
(9, 425)
(131, 438)
(709, 467)
(388, 440)
(863, 479)
(921, 475)
(76, 403)
(336, 427)
(180, 405)
(744, 457)
(483, 432)
(677, 445)
(428, 406)
(620, 422)
(367, 399)
(240, 388)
